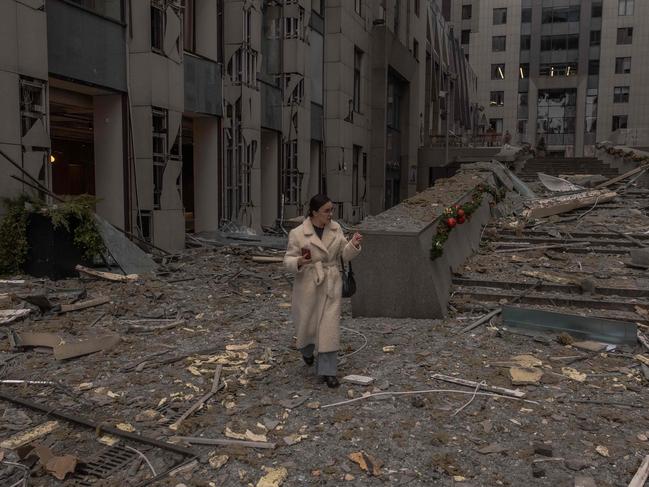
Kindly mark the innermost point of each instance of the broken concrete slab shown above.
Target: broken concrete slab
(60, 348)
(85, 347)
(640, 257)
(130, 257)
(556, 184)
(585, 180)
(581, 327)
(10, 315)
(563, 204)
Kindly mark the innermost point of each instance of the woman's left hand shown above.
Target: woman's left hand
(356, 240)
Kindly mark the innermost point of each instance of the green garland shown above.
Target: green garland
(458, 214)
(13, 228)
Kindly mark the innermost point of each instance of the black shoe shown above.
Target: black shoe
(331, 381)
(308, 360)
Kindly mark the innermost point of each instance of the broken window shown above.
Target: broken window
(293, 26)
(189, 24)
(32, 106)
(358, 60)
(157, 25)
(159, 119)
(620, 122)
(242, 67)
(247, 26)
(290, 174)
(622, 65)
(621, 94)
(355, 181)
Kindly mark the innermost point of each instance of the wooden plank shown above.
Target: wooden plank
(26, 437)
(109, 276)
(266, 259)
(622, 177)
(641, 475)
(198, 404)
(66, 308)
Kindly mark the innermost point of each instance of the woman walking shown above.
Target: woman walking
(313, 255)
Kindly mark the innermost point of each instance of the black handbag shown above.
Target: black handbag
(349, 283)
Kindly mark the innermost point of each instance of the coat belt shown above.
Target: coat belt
(325, 271)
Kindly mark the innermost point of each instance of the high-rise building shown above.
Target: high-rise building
(571, 72)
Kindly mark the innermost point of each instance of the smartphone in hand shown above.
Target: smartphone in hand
(306, 253)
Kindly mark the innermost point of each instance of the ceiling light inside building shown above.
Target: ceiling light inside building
(52, 159)
(522, 73)
(500, 72)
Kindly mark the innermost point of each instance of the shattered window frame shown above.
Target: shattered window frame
(621, 94)
(291, 174)
(159, 130)
(33, 103)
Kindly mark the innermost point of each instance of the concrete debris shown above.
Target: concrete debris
(10, 315)
(274, 477)
(366, 462)
(361, 380)
(584, 180)
(556, 184)
(216, 461)
(521, 376)
(129, 257)
(562, 204)
(228, 306)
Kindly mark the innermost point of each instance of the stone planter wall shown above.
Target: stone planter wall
(395, 275)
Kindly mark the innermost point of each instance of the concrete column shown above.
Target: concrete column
(206, 174)
(109, 158)
(269, 177)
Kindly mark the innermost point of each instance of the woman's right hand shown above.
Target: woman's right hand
(301, 260)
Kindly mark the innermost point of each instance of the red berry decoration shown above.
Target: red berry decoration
(461, 220)
(451, 222)
(460, 213)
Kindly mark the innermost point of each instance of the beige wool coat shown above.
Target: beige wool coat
(317, 290)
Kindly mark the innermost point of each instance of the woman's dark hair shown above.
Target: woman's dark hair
(317, 202)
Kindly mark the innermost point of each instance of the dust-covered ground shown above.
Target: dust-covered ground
(237, 314)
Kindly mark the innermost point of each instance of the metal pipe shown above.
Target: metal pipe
(82, 421)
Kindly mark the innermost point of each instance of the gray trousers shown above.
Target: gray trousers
(326, 363)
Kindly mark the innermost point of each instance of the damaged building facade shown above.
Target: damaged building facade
(181, 115)
(570, 71)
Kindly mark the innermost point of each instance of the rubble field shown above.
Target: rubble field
(214, 325)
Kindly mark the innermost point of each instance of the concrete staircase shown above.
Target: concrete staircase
(556, 166)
